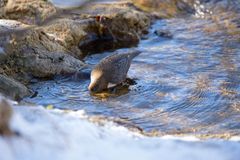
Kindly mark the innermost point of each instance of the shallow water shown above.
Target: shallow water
(188, 84)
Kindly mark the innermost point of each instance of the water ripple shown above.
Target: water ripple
(186, 84)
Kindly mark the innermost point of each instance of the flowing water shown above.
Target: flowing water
(187, 84)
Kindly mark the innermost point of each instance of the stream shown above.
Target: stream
(185, 84)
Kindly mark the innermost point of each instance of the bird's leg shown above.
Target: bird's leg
(125, 83)
(129, 81)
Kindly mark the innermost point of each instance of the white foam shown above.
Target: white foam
(183, 138)
(55, 134)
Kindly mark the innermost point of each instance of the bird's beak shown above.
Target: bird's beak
(90, 87)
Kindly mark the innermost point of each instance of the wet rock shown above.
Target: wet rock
(27, 11)
(5, 117)
(13, 89)
(163, 33)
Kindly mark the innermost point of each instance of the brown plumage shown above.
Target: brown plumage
(111, 70)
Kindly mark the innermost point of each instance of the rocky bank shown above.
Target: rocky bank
(39, 40)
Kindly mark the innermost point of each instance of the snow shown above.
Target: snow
(68, 135)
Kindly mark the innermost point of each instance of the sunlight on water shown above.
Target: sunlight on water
(186, 84)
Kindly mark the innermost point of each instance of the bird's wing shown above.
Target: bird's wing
(119, 68)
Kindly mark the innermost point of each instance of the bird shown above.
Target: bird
(111, 70)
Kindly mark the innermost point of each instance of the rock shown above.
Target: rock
(100, 27)
(7, 25)
(2, 5)
(13, 89)
(48, 64)
(6, 28)
(163, 33)
(5, 117)
(28, 11)
(39, 54)
(126, 23)
(70, 33)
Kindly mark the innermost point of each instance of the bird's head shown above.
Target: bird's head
(98, 81)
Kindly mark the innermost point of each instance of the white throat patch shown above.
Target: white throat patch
(95, 75)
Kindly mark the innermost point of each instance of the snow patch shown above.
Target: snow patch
(64, 135)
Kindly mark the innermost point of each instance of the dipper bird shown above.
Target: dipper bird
(111, 70)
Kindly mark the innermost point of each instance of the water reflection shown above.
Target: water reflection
(186, 84)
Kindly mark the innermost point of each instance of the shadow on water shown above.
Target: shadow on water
(186, 84)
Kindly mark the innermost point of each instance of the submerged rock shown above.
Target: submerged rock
(163, 33)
